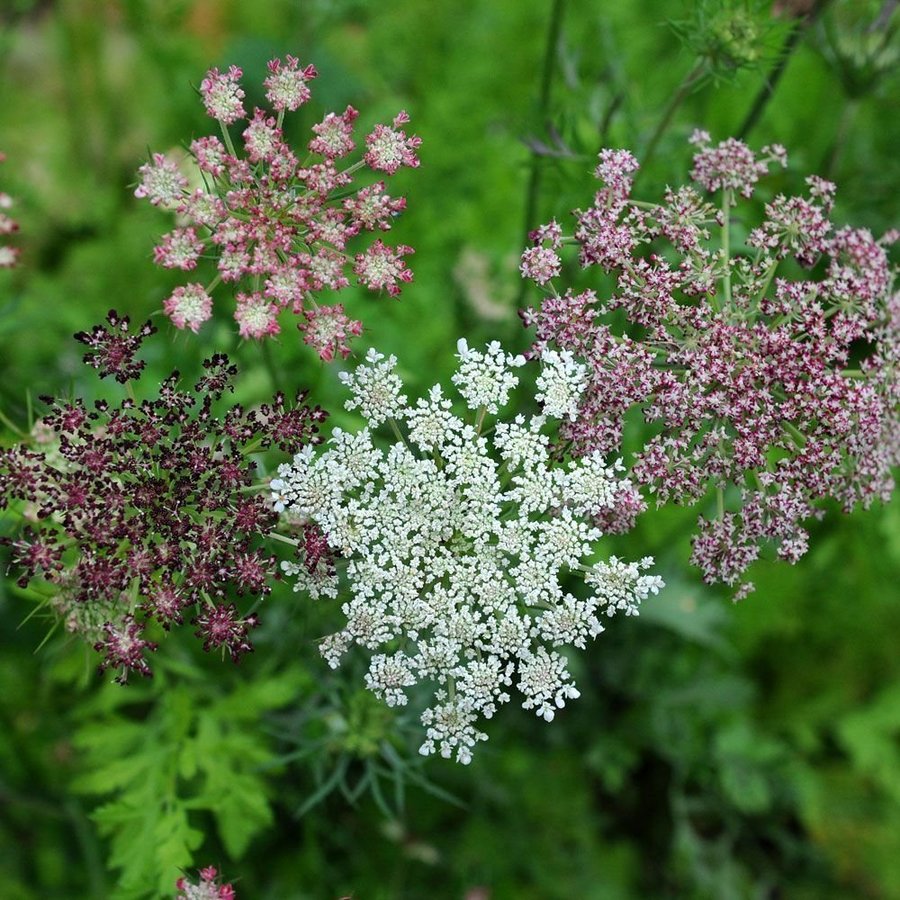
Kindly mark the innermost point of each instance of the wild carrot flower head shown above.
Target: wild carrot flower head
(113, 348)
(138, 513)
(455, 543)
(764, 390)
(222, 94)
(279, 230)
(287, 83)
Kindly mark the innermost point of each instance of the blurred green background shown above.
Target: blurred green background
(717, 751)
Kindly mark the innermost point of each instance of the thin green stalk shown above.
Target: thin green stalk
(726, 244)
(397, 432)
(10, 424)
(794, 433)
(680, 95)
(479, 420)
(792, 41)
(532, 191)
(227, 138)
(269, 362)
(770, 274)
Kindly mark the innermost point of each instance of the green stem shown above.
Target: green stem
(770, 274)
(794, 433)
(396, 429)
(229, 146)
(726, 244)
(269, 362)
(479, 421)
(681, 93)
(11, 425)
(532, 192)
(792, 41)
(844, 128)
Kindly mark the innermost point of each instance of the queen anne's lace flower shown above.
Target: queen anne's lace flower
(458, 544)
(747, 373)
(280, 230)
(561, 384)
(143, 513)
(376, 388)
(484, 379)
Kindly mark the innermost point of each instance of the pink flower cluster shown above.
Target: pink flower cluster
(9, 256)
(767, 371)
(280, 227)
(207, 888)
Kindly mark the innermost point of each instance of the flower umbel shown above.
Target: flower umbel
(139, 513)
(751, 376)
(281, 231)
(457, 547)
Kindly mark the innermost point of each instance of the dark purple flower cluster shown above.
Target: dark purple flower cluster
(767, 370)
(277, 224)
(144, 512)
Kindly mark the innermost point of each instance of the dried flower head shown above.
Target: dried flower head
(764, 391)
(457, 543)
(141, 513)
(280, 231)
(113, 348)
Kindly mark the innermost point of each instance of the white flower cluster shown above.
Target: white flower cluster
(561, 384)
(456, 544)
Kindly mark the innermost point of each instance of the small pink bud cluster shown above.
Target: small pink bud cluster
(9, 256)
(280, 228)
(767, 391)
(207, 888)
(140, 513)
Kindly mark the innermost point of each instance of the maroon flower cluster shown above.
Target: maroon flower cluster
(277, 226)
(9, 255)
(140, 512)
(768, 371)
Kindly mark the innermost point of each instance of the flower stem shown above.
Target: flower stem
(792, 41)
(795, 434)
(532, 192)
(229, 146)
(269, 362)
(397, 432)
(681, 93)
(726, 244)
(479, 421)
(766, 282)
